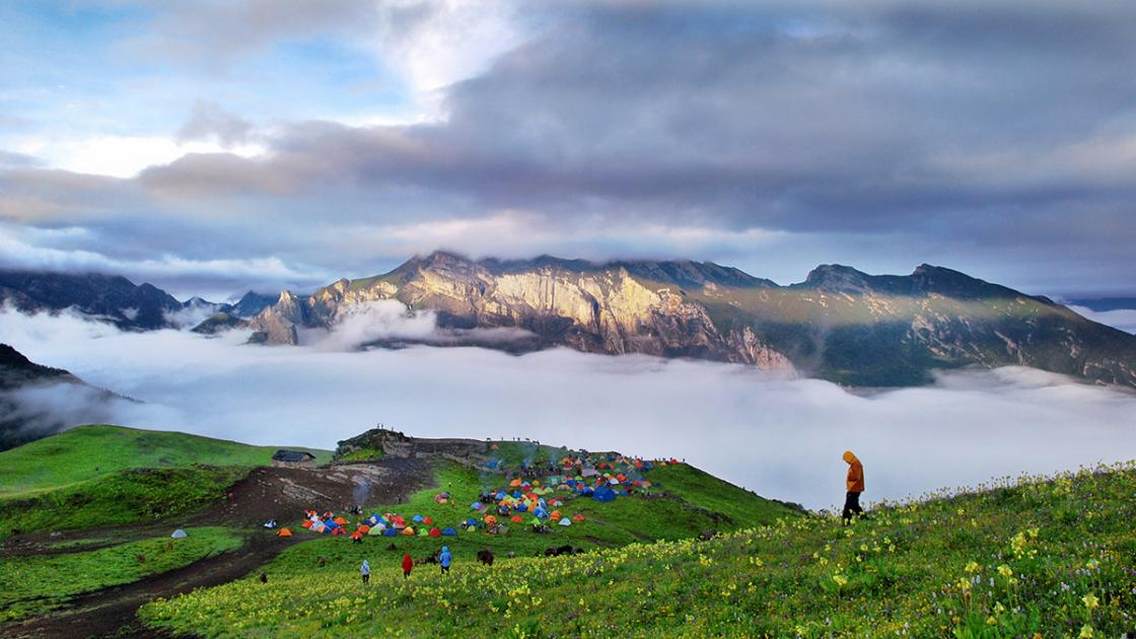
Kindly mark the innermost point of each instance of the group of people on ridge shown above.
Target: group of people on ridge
(445, 559)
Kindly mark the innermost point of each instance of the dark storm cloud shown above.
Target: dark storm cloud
(969, 127)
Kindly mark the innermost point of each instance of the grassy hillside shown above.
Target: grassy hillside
(88, 452)
(94, 476)
(1054, 557)
(685, 503)
(34, 585)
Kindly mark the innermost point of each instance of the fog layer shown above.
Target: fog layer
(780, 437)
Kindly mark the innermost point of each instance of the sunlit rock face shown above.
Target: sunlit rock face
(839, 324)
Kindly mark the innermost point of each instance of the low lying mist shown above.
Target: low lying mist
(780, 437)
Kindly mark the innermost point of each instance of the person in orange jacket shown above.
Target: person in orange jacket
(855, 486)
(407, 565)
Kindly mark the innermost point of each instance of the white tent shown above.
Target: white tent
(179, 534)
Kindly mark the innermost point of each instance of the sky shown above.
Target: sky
(219, 145)
(778, 435)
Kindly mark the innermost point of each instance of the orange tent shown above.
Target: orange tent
(356, 535)
(577, 518)
(515, 483)
(307, 523)
(284, 532)
(408, 531)
(340, 520)
(554, 515)
(490, 520)
(516, 519)
(364, 528)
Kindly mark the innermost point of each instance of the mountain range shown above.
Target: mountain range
(116, 299)
(839, 324)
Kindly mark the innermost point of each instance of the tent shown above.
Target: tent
(516, 519)
(422, 532)
(435, 532)
(284, 532)
(449, 532)
(428, 520)
(603, 493)
(356, 536)
(577, 518)
(340, 520)
(408, 531)
(378, 531)
(554, 515)
(389, 532)
(179, 534)
(565, 522)
(417, 519)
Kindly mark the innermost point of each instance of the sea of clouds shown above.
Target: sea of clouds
(777, 435)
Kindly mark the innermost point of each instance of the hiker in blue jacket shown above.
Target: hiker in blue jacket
(365, 572)
(445, 559)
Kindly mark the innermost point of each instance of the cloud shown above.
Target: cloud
(210, 122)
(1121, 318)
(390, 322)
(781, 437)
(991, 136)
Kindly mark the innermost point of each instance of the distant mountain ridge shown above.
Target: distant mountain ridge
(21, 421)
(839, 324)
(114, 298)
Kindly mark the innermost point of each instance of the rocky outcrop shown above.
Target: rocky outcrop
(601, 310)
(839, 324)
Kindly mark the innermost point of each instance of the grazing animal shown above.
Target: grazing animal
(485, 557)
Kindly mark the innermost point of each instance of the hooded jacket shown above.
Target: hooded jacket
(855, 479)
(445, 558)
(407, 563)
(365, 569)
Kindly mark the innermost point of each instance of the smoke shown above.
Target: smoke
(780, 437)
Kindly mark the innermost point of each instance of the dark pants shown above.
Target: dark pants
(445, 569)
(366, 578)
(851, 505)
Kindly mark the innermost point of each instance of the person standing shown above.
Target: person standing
(407, 566)
(365, 572)
(855, 485)
(445, 558)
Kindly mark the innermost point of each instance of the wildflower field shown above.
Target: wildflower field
(1049, 557)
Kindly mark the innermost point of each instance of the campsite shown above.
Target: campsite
(547, 542)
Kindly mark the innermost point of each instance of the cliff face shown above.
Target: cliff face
(839, 324)
(602, 310)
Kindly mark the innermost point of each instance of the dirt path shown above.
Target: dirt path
(267, 493)
(111, 612)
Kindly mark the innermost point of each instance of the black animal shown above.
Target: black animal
(427, 560)
(263, 578)
(707, 535)
(485, 557)
(559, 550)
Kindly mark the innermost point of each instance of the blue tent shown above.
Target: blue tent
(521, 507)
(418, 519)
(449, 532)
(470, 522)
(389, 532)
(330, 523)
(603, 493)
(500, 494)
(540, 512)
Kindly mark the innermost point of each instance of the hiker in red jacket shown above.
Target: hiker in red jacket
(407, 565)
